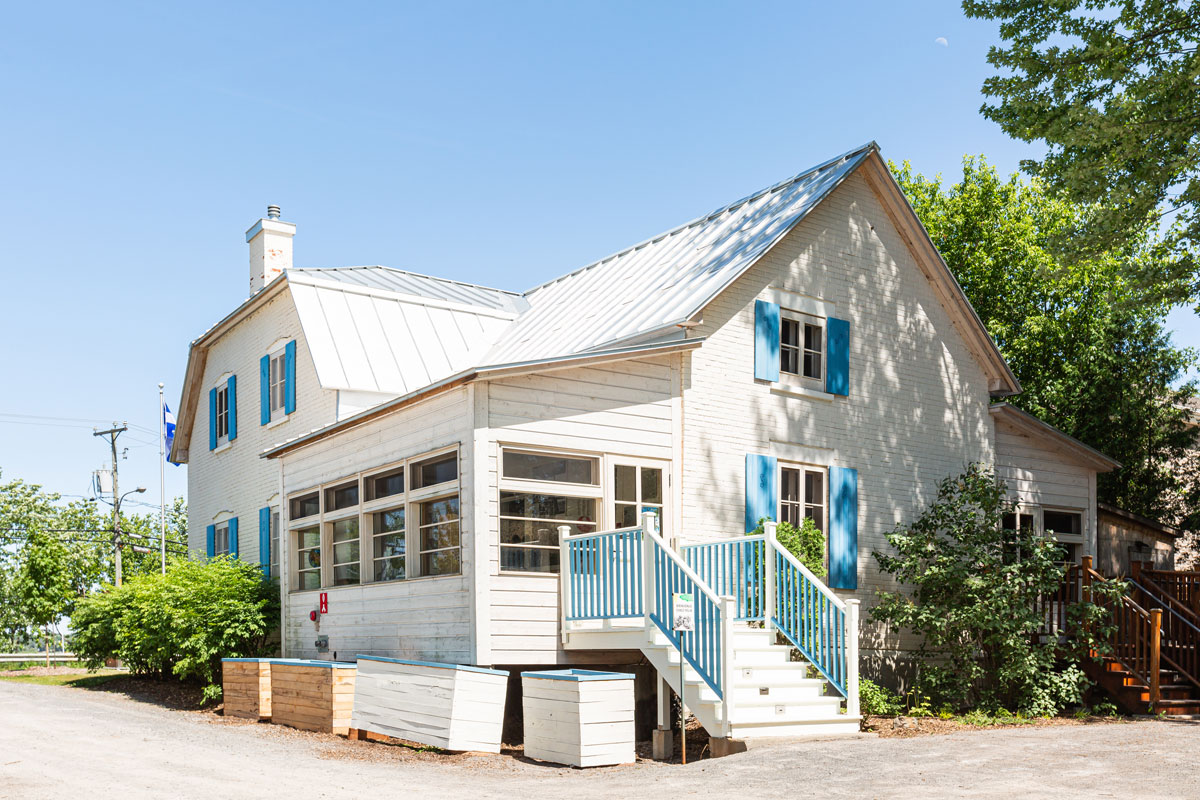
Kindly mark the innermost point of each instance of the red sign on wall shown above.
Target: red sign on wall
(324, 602)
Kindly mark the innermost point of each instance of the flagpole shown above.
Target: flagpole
(162, 477)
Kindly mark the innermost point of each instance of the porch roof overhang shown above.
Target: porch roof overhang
(1031, 425)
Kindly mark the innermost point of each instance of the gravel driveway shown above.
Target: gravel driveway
(60, 742)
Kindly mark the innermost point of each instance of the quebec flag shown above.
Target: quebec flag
(168, 431)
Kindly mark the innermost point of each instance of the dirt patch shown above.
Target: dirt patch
(908, 727)
(166, 693)
(42, 671)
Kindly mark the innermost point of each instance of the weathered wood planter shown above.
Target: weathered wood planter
(246, 687)
(579, 716)
(445, 705)
(312, 695)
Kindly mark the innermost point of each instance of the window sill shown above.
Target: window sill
(369, 584)
(221, 448)
(275, 423)
(796, 390)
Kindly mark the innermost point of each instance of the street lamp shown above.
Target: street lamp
(117, 527)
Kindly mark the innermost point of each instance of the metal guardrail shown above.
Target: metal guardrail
(20, 658)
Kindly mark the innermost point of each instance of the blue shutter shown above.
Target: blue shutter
(212, 419)
(264, 390)
(761, 492)
(289, 373)
(264, 540)
(232, 383)
(837, 357)
(843, 528)
(766, 341)
(233, 538)
(210, 540)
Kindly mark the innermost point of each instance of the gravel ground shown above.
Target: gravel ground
(60, 742)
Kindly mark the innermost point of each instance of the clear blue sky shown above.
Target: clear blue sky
(501, 143)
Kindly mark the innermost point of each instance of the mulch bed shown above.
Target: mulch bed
(40, 671)
(908, 727)
(166, 693)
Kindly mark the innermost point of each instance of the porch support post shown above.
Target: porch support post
(662, 742)
(769, 546)
(728, 621)
(1155, 655)
(852, 611)
(564, 579)
(648, 587)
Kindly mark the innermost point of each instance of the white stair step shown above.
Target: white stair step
(761, 656)
(796, 711)
(753, 637)
(777, 693)
(772, 674)
(841, 725)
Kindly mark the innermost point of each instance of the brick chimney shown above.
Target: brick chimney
(270, 248)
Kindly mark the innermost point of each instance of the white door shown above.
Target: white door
(638, 486)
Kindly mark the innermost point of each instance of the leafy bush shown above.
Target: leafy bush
(971, 595)
(878, 701)
(181, 623)
(806, 543)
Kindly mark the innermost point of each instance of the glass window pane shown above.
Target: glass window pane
(818, 517)
(391, 520)
(310, 580)
(812, 337)
(345, 574)
(341, 497)
(389, 569)
(814, 488)
(433, 471)
(308, 537)
(305, 506)
(308, 559)
(790, 332)
(547, 467)
(625, 484)
(651, 485)
(443, 562)
(441, 535)
(439, 510)
(790, 491)
(528, 559)
(389, 545)
(386, 485)
(345, 552)
(547, 506)
(627, 515)
(345, 529)
(1062, 522)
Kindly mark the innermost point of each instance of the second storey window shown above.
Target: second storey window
(277, 383)
(801, 347)
(223, 413)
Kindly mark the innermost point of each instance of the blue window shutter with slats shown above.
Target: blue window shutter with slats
(766, 341)
(232, 407)
(837, 374)
(761, 492)
(233, 538)
(264, 390)
(210, 540)
(843, 528)
(212, 419)
(289, 377)
(264, 540)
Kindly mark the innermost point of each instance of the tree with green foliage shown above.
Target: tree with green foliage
(970, 592)
(180, 624)
(1085, 337)
(1111, 87)
(806, 543)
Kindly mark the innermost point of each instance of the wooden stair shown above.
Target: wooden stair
(1176, 695)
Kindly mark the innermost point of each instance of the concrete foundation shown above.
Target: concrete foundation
(662, 744)
(718, 748)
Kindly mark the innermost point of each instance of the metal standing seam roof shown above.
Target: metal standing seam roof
(413, 283)
(665, 280)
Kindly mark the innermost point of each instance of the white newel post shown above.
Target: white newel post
(852, 708)
(647, 570)
(769, 573)
(564, 579)
(728, 665)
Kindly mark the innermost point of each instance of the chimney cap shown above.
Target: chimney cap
(272, 212)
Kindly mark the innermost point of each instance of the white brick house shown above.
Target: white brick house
(802, 352)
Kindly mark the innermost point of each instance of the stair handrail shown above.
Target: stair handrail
(850, 615)
(1141, 580)
(1190, 670)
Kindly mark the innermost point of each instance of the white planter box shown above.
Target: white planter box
(579, 717)
(444, 705)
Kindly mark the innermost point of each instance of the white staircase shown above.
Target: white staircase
(763, 692)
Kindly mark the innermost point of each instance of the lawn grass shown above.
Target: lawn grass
(78, 681)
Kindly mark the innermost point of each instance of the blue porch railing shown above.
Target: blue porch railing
(811, 617)
(605, 575)
(704, 647)
(732, 568)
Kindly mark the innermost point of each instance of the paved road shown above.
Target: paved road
(67, 743)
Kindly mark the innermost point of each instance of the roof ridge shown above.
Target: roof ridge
(415, 274)
(871, 145)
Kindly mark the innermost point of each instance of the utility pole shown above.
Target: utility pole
(162, 477)
(112, 434)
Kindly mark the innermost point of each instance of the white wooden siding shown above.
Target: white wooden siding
(424, 619)
(622, 408)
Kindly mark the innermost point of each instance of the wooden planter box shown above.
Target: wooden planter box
(445, 705)
(312, 695)
(579, 716)
(246, 687)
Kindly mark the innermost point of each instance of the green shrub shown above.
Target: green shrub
(181, 623)
(878, 701)
(806, 543)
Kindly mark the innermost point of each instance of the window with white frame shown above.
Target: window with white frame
(277, 382)
(802, 494)
(540, 491)
(361, 524)
(1066, 527)
(636, 489)
(308, 557)
(802, 345)
(223, 414)
(221, 539)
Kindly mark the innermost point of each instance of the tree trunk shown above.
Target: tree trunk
(47, 635)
